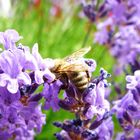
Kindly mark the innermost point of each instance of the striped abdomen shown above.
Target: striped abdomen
(79, 79)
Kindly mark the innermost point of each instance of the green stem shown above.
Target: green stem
(87, 35)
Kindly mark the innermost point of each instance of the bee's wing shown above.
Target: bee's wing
(73, 67)
(73, 62)
(78, 54)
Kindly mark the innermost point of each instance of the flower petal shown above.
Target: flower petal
(50, 76)
(36, 53)
(39, 77)
(24, 78)
(12, 35)
(2, 41)
(3, 79)
(12, 85)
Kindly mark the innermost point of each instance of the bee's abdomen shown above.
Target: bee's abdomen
(80, 80)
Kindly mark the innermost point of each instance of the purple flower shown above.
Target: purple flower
(118, 31)
(17, 120)
(102, 129)
(9, 38)
(105, 130)
(16, 73)
(98, 104)
(35, 119)
(50, 93)
(122, 136)
(133, 81)
(20, 113)
(127, 108)
(92, 11)
(105, 31)
(91, 64)
(12, 74)
(43, 66)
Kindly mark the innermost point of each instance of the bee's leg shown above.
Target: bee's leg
(54, 81)
(88, 76)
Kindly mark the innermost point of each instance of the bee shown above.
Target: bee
(73, 69)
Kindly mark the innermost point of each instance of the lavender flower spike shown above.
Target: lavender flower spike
(20, 112)
(118, 31)
(127, 109)
(18, 121)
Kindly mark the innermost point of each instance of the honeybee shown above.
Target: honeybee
(73, 69)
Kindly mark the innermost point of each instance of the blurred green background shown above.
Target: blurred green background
(59, 31)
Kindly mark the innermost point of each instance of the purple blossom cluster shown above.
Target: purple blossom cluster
(21, 72)
(85, 130)
(117, 24)
(17, 120)
(127, 109)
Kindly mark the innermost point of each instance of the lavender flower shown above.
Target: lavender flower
(85, 130)
(9, 38)
(126, 43)
(50, 93)
(12, 74)
(127, 109)
(95, 96)
(21, 73)
(17, 120)
(119, 31)
(133, 81)
(93, 10)
(43, 66)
